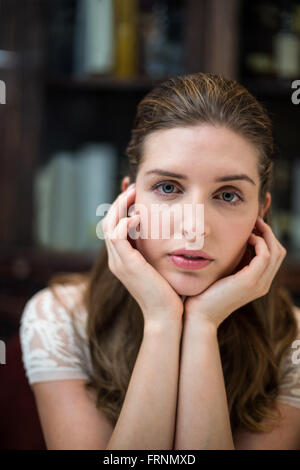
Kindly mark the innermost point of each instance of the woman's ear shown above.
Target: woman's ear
(262, 212)
(125, 183)
(267, 205)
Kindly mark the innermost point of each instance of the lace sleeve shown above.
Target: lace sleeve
(51, 349)
(289, 390)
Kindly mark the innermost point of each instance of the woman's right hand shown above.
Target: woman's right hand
(158, 301)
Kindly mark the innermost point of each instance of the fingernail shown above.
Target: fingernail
(131, 211)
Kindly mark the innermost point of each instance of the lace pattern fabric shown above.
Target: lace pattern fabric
(290, 372)
(51, 347)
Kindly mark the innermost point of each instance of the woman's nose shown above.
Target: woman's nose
(193, 221)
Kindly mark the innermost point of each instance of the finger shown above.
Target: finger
(260, 262)
(111, 252)
(121, 230)
(268, 234)
(119, 209)
(119, 236)
(110, 238)
(278, 252)
(114, 257)
(265, 268)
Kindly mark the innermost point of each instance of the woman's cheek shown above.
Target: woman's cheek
(236, 259)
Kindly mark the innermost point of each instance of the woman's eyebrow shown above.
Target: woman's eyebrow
(241, 176)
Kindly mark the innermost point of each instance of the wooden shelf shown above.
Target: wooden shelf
(101, 82)
(38, 264)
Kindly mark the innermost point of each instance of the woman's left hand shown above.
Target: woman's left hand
(228, 294)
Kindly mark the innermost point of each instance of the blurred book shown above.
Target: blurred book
(67, 192)
(54, 195)
(161, 28)
(95, 181)
(42, 191)
(94, 38)
(295, 205)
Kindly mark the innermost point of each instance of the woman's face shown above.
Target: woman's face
(201, 155)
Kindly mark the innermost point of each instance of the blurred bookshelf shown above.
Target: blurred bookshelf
(59, 101)
(138, 82)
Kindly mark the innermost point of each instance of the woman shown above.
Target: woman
(180, 354)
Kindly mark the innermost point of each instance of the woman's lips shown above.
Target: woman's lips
(186, 263)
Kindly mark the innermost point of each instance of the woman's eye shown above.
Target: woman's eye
(229, 195)
(168, 188)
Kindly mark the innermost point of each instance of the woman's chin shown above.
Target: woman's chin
(188, 287)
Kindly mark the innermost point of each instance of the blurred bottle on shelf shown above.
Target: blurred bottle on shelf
(161, 35)
(93, 51)
(154, 40)
(126, 52)
(286, 45)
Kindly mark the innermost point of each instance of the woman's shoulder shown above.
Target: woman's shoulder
(294, 343)
(296, 311)
(55, 304)
(53, 335)
(289, 387)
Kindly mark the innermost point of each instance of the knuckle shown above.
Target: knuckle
(282, 248)
(262, 289)
(266, 289)
(281, 252)
(111, 266)
(115, 267)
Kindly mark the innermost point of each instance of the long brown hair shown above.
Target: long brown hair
(254, 339)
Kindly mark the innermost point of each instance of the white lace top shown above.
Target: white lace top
(53, 350)
(51, 347)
